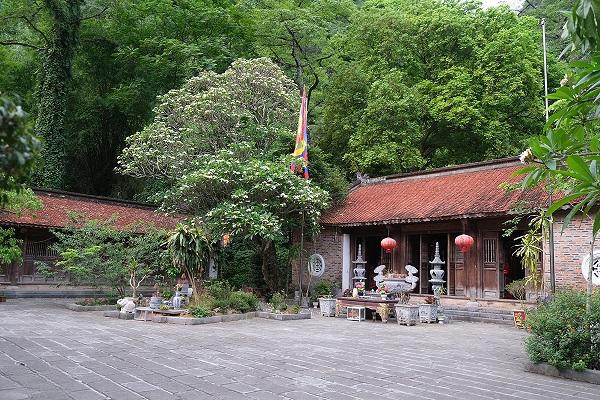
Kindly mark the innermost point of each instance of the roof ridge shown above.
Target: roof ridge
(441, 171)
(104, 199)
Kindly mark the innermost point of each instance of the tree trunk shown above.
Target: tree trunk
(54, 87)
(270, 269)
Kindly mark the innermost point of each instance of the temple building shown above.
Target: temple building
(421, 209)
(34, 228)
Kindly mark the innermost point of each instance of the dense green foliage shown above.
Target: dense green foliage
(432, 83)
(567, 154)
(98, 253)
(394, 84)
(19, 148)
(10, 247)
(189, 247)
(220, 297)
(220, 148)
(91, 71)
(563, 334)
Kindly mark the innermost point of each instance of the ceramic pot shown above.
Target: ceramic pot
(519, 316)
(428, 313)
(407, 314)
(155, 302)
(327, 307)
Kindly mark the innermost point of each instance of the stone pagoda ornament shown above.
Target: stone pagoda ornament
(359, 269)
(437, 273)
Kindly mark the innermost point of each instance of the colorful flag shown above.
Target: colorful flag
(300, 165)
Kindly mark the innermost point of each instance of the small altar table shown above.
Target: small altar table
(369, 303)
(147, 313)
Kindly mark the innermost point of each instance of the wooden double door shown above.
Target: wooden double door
(475, 274)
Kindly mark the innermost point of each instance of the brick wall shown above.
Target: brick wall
(329, 245)
(570, 248)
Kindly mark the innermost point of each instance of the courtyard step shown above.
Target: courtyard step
(486, 315)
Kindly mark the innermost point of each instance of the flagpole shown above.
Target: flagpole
(301, 266)
(551, 219)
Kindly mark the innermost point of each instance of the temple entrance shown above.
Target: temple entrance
(512, 269)
(373, 259)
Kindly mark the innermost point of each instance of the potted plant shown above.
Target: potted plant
(324, 291)
(428, 310)
(384, 312)
(383, 292)
(518, 290)
(360, 287)
(406, 314)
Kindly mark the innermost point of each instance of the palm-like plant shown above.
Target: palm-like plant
(189, 246)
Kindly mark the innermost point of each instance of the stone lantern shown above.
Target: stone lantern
(437, 273)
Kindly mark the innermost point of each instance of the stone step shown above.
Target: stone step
(480, 309)
(480, 319)
(479, 314)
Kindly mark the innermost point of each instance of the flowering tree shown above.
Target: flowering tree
(220, 146)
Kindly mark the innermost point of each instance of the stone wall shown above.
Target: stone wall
(329, 245)
(570, 248)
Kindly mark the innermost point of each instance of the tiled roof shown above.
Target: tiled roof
(58, 206)
(467, 191)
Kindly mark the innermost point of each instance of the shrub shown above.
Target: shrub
(200, 312)
(242, 301)
(295, 309)
(517, 289)
(277, 302)
(219, 290)
(324, 288)
(563, 334)
(100, 301)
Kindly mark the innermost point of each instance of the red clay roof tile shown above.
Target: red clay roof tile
(472, 190)
(58, 206)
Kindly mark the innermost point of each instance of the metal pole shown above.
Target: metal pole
(301, 266)
(543, 23)
(551, 219)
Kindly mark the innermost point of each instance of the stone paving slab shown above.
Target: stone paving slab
(48, 352)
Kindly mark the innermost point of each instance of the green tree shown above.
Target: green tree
(19, 148)
(101, 65)
(297, 35)
(221, 144)
(100, 254)
(555, 14)
(52, 28)
(569, 150)
(432, 83)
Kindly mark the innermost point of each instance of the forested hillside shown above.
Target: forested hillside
(394, 85)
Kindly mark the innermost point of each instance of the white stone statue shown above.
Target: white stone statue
(411, 278)
(379, 277)
(127, 305)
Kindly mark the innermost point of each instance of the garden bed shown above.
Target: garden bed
(586, 375)
(217, 318)
(78, 307)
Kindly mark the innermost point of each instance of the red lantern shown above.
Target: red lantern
(388, 244)
(464, 242)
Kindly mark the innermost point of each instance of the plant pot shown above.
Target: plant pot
(384, 297)
(327, 307)
(407, 314)
(428, 313)
(155, 302)
(519, 317)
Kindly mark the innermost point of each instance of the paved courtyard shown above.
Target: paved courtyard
(48, 352)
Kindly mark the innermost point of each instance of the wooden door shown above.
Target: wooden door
(456, 287)
(491, 266)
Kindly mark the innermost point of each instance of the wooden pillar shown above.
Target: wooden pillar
(472, 279)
